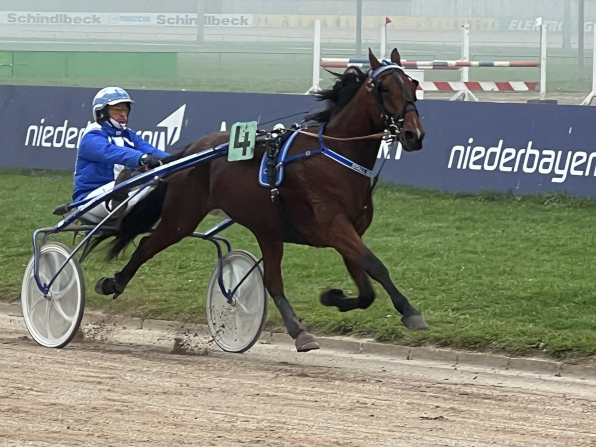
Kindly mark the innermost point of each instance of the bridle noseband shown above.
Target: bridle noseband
(393, 124)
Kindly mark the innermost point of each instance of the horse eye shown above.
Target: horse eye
(383, 89)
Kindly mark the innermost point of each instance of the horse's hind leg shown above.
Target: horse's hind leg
(272, 254)
(337, 298)
(173, 227)
(349, 244)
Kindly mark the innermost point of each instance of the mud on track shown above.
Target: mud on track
(134, 391)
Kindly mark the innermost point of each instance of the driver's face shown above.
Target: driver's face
(119, 113)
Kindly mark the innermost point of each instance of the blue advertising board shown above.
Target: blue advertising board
(525, 148)
(42, 126)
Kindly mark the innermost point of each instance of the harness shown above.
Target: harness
(275, 157)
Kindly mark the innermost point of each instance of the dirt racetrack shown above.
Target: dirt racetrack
(131, 390)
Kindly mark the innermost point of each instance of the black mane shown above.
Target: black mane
(338, 96)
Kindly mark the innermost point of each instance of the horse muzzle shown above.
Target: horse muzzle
(411, 141)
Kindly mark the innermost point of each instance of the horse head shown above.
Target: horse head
(395, 95)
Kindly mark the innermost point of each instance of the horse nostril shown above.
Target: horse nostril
(409, 135)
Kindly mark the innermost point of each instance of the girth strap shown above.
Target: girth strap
(291, 233)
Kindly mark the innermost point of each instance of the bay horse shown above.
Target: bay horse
(328, 204)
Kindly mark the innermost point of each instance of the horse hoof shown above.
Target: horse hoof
(330, 297)
(414, 322)
(106, 286)
(306, 342)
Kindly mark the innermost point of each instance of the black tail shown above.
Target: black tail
(141, 219)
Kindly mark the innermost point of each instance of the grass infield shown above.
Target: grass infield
(488, 271)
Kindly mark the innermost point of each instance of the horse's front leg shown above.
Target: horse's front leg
(272, 255)
(349, 244)
(337, 298)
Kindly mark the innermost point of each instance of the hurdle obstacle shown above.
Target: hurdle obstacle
(316, 59)
(464, 87)
(427, 65)
(465, 57)
(478, 86)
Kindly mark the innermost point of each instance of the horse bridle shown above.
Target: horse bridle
(393, 123)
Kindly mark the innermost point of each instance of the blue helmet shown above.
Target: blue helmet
(108, 96)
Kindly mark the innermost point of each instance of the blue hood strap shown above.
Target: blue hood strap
(333, 156)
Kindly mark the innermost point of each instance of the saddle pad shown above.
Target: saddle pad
(279, 174)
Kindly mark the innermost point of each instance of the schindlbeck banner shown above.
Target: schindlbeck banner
(126, 19)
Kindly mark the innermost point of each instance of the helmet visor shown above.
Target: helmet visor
(119, 101)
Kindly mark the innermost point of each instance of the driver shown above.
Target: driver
(109, 151)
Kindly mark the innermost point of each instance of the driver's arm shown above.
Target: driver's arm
(96, 147)
(147, 148)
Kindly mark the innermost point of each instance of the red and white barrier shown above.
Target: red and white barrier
(458, 86)
(464, 87)
(426, 65)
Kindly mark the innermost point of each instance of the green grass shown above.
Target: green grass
(488, 271)
(287, 68)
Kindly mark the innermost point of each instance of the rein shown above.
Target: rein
(365, 137)
(393, 124)
(393, 128)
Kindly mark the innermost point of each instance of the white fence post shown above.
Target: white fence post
(419, 76)
(316, 59)
(542, 59)
(465, 51)
(465, 93)
(383, 41)
(590, 97)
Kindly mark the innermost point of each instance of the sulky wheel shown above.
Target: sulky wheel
(236, 327)
(53, 321)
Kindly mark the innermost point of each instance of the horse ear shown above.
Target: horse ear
(374, 62)
(395, 57)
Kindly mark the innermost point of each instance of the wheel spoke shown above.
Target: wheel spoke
(61, 312)
(43, 277)
(245, 310)
(245, 298)
(236, 278)
(48, 325)
(230, 275)
(58, 294)
(35, 304)
(54, 264)
(69, 273)
(238, 323)
(63, 291)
